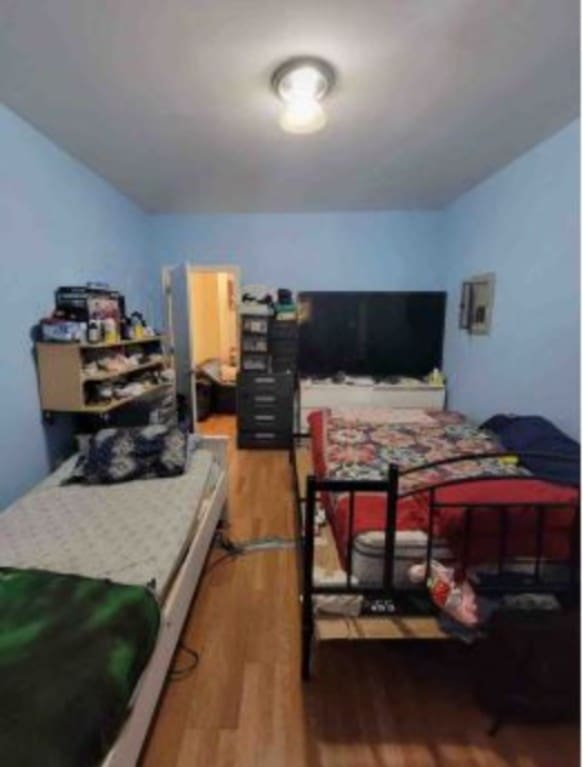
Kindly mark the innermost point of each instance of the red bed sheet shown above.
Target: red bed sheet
(484, 541)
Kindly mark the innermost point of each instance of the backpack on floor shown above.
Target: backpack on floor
(527, 667)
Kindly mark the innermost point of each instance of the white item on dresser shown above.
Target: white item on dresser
(407, 393)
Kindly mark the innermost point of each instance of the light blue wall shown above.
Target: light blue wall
(59, 224)
(62, 224)
(522, 224)
(328, 251)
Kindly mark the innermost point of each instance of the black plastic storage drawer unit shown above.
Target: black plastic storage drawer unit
(283, 344)
(265, 405)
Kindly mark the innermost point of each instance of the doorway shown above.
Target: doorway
(202, 324)
(214, 334)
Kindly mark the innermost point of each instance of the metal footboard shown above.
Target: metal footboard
(400, 596)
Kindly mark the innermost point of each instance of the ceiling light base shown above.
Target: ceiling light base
(301, 84)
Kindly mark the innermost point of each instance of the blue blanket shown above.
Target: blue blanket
(530, 433)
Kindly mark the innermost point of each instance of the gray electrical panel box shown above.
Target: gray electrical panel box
(477, 303)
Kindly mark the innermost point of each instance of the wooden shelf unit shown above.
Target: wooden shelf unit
(113, 344)
(62, 381)
(115, 403)
(105, 376)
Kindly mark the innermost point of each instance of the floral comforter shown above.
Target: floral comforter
(363, 449)
(359, 446)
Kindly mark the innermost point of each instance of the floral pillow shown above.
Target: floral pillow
(121, 455)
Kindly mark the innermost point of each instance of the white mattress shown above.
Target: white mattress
(133, 533)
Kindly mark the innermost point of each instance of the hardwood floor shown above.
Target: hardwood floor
(398, 704)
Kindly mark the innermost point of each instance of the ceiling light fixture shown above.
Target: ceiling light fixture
(302, 83)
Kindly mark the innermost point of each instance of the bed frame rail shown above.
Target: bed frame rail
(405, 600)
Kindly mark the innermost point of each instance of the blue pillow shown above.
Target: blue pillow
(121, 455)
(531, 433)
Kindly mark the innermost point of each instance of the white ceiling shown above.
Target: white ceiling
(170, 99)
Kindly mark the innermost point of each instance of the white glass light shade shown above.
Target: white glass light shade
(302, 116)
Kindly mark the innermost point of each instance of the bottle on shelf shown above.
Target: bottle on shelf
(94, 331)
(125, 329)
(137, 326)
(110, 330)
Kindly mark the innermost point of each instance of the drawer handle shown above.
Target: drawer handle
(265, 398)
(264, 380)
(266, 418)
(265, 435)
(255, 327)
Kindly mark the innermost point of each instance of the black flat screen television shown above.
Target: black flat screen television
(372, 334)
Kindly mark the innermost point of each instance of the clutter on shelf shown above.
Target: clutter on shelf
(93, 357)
(110, 363)
(109, 391)
(92, 314)
(285, 308)
(258, 300)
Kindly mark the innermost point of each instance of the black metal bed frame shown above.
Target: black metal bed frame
(401, 601)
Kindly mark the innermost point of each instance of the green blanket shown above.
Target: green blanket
(71, 652)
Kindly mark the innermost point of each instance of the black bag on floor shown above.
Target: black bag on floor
(527, 668)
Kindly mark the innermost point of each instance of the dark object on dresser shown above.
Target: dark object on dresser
(527, 668)
(285, 296)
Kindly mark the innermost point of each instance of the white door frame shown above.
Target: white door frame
(167, 301)
(190, 268)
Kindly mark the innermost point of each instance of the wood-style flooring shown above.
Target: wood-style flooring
(370, 704)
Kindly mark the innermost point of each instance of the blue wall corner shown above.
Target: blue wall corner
(335, 251)
(60, 224)
(393, 250)
(523, 225)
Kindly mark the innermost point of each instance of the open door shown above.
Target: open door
(198, 329)
(177, 312)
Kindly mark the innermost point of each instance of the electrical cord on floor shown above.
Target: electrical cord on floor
(232, 550)
(253, 544)
(266, 543)
(224, 542)
(223, 558)
(177, 674)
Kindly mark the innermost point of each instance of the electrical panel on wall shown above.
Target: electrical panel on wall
(476, 304)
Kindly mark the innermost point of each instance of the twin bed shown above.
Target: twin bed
(96, 582)
(400, 488)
